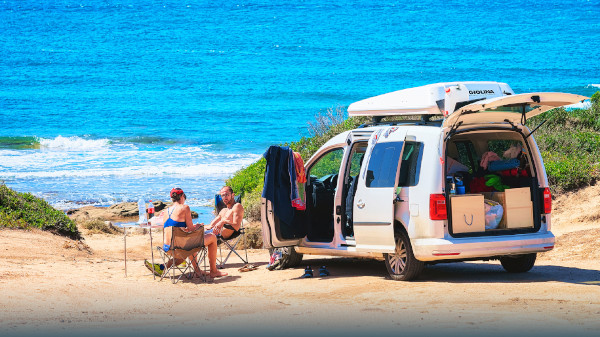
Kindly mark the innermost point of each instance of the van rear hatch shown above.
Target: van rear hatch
(511, 108)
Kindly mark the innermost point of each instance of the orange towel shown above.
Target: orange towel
(300, 173)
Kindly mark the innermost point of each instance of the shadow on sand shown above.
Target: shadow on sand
(460, 272)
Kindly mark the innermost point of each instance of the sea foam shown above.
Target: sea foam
(74, 143)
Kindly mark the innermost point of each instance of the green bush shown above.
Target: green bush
(98, 226)
(23, 210)
(569, 171)
(248, 182)
(570, 145)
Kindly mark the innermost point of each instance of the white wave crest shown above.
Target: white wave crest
(160, 169)
(593, 85)
(74, 143)
(581, 105)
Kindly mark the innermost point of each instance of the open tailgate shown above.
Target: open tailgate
(514, 108)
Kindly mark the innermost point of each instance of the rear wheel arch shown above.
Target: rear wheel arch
(402, 264)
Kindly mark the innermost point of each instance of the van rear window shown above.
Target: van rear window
(383, 164)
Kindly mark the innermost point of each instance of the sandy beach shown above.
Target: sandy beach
(52, 285)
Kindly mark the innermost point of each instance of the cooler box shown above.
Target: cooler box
(468, 213)
(518, 208)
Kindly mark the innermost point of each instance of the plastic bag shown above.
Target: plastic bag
(493, 214)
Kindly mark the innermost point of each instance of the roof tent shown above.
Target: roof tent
(432, 99)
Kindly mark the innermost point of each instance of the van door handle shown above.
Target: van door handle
(360, 204)
(397, 199)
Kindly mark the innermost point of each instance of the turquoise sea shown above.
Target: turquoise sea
(106, 101)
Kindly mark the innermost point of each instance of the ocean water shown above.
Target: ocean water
(107, 101)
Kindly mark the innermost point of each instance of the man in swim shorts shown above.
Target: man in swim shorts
(229, 220)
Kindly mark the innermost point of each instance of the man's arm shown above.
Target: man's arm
(238, 216)
(215, 221)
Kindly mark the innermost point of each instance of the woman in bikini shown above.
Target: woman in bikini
(180, 215)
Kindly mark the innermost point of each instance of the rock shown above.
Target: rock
(125, 211)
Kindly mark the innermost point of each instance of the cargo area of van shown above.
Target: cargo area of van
(492, 184)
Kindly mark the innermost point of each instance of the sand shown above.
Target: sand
(51, 285)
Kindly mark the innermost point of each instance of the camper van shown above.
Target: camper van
(444, 172)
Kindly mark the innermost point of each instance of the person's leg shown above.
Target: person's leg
(210, 241)
(198, 272)
(170, 263)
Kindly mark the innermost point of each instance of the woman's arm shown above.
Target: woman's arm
(188, 219)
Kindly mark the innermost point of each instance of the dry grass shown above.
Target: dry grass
(99, 227)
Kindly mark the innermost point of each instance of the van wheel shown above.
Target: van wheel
(518, 263)
(289, 257)
(402, 265)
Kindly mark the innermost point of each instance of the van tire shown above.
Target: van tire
(289, 257)
(518, 263)
(402, 265)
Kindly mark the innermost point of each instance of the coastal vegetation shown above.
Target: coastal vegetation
(569, 142)
(26, 211)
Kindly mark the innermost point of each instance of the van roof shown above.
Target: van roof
(432, 99)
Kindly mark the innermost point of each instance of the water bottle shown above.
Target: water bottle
(150, 210)
(460, 188)
(142, 210)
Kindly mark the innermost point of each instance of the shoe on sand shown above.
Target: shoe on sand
(308, 272)
(156, 269)
(248, 267)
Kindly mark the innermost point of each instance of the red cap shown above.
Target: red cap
(176, 190)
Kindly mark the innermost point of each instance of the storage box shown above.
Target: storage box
(518, 208)
(468, 213)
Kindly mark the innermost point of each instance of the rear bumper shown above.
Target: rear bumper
(482, 247)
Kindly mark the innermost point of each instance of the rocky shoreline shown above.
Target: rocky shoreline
(122, 212)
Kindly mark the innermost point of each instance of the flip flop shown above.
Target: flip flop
(248, 267)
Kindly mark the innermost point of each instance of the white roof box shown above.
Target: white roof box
(432, 99)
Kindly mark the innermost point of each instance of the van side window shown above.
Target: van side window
(383, 164)
(411, 164)
(329, 164)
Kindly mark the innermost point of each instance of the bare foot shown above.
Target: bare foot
(201, 274)
(218, 274)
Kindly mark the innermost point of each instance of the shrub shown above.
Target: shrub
(24, 210)
(97, 226)
(253, 236)
(569, 171)
(570, 145)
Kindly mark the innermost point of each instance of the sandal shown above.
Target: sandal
(248, 267)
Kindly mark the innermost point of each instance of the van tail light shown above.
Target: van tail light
(547, 201)
(437, 207)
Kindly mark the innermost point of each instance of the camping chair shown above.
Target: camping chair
(182, 246)
(233, 241)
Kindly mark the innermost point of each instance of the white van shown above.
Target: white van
(424, 181)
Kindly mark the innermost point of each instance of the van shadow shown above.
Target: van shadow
(459, 272)
(494, 273)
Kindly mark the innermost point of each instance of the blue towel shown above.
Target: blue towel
(501, 165)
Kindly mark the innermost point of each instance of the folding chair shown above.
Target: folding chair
(233, 241)
(184, 246)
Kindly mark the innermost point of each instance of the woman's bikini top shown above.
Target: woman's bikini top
(170, 222)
